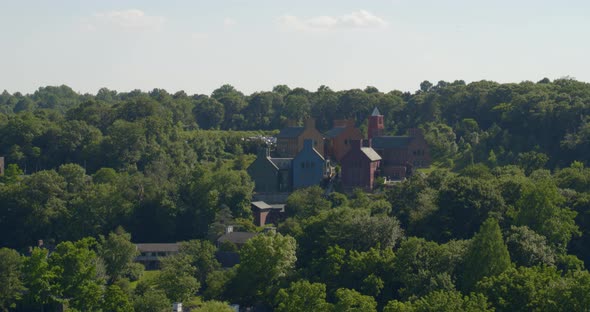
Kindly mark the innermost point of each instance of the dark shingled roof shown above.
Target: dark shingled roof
(373, 156)
(290, 132)
(236, 237)
(388, 142)
(172, 247)
(334, 132)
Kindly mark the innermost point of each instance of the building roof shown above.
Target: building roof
(281, 163)
(334, 132)
(369, 152)
(171, 247)
(236, 237)
(389, 142)
(376, 112)
(280, 207)
(261, 205)
(290, 132)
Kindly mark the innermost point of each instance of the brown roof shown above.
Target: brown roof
(170, 247)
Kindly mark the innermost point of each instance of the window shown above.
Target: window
(302, 165)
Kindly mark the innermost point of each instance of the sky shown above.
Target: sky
(199, 45)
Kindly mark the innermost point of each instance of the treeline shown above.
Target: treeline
(163, 204)
(479, 239)
(100, 275)
(464, 123)
(501, 224)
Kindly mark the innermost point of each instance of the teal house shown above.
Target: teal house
(271, 175)
(309, 166)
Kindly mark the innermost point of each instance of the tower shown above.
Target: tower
(376, 125)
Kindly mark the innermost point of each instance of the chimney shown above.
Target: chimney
(367, 143)
(229, 229)
(309, 123)
(40, 243)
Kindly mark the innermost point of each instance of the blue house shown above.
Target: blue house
(308, 166)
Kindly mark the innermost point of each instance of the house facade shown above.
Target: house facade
(359, 166)
(150, 255)
(271, 175)
(291, 139)
(309, 167)
(337, 140)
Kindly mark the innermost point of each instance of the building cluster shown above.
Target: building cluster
(305, 157)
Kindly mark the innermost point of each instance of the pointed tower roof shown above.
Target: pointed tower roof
(376, 112)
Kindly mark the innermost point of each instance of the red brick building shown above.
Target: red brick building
(359, 166)
(337, 140)
(400, 154)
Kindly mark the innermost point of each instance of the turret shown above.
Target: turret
(376, 126)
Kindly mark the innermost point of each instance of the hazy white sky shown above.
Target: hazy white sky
(197, 46)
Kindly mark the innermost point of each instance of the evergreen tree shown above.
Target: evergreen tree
(487, 256)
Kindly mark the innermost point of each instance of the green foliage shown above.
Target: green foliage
(422, 266)
(153, 300)
(116, 300)
(442, 301)
(464, 203)
(11, 284)
(118, 253)
(213, 306)
(302, 296)
(202, 256)
(265, 260)
(537, 289)
(92, 163)
(307, 202)
(351, 301)
(528, 248)
(486, 256)
(177, 278)
(77, 281)
(541, 209)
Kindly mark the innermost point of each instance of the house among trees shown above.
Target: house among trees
(359, 166)
(309, 167)
(337, 139)
(291, 139)
(400, 154)
(267, 213)
(271, 175)
(150, 254)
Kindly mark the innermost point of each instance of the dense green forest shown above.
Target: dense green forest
(499, 223)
